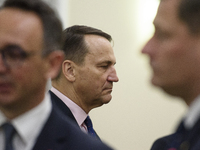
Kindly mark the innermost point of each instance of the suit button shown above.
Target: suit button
(185, 145)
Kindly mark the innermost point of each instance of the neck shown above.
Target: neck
(14, 110)
(69, 92)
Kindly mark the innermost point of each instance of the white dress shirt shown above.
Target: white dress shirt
(193, 114)
(78, 113)
(28, 125)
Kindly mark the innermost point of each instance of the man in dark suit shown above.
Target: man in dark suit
(61, 134)
(86, 79)
(174, 53)
(30, 39)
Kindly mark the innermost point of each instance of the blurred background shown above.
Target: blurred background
(138, 112)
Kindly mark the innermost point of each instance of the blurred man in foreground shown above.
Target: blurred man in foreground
(30, 39)
(174, 52)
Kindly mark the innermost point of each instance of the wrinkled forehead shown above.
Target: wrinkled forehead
(99, 50)
(97, 43)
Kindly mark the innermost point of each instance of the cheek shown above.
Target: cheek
(184, 54)
(22, 74)
(30, 74)
(87, 74)
(92, 78)
(176, 52)
(179, 61)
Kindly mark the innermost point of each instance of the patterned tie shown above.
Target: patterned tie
(9, 131)
(89, 125)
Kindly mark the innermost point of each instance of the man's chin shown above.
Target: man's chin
(6, 101)
(156, 81)
(107, 99)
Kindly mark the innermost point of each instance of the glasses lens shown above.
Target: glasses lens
(14, 56)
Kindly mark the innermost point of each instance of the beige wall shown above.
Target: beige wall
(138, 112)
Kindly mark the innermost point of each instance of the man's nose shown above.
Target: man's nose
(149, 47)
(3, 66)
(113, 76)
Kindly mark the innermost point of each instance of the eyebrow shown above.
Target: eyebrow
(106, 62)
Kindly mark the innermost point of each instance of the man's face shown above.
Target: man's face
(173, 51)
(94, 80)
(24, 84)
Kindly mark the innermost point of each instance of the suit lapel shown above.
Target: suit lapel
(64, 109)
(193, 136)
(59, 133)
(62, 106)
(186, 140)
(52, 136)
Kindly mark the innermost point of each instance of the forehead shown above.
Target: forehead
(99, 48)
(19, 27)
(167, 13)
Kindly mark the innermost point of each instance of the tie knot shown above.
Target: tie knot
(89, 125)
(88, 122)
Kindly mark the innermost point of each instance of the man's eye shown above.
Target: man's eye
(161, 35)
(14, 54)
(105, 66)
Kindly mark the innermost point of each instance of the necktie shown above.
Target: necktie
(89, 125)
(9, 131)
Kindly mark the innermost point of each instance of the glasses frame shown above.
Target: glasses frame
(13, 56)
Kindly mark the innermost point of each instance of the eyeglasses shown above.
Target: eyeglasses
(14, 56)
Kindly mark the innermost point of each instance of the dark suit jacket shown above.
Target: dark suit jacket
(186, 140)
(63, 107)
(61, 134)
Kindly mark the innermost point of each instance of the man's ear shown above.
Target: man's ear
(55, 60)
(68, 70)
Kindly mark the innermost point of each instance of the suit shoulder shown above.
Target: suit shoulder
(60, 133)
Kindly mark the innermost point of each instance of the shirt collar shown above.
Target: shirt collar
(24, 125)
(193, 113)
(2, 118)
(77, 111)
